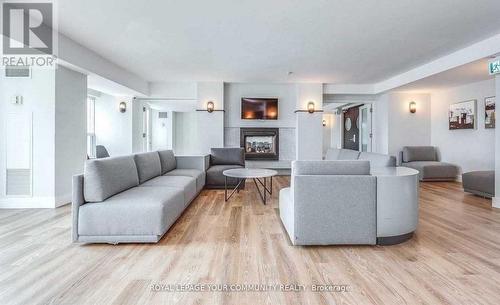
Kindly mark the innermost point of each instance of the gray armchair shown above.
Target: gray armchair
(427, 161)
(222, 159)
(330, 203)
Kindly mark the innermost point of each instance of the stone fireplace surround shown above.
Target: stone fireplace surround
(260, 143)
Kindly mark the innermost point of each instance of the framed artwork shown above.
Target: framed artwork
(489, 112)
(462, 115)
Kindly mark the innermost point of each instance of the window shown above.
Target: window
(91, 140)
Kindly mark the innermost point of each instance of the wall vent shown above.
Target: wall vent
(163, 115)
(17, 71)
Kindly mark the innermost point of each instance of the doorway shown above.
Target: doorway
(351, 129)
(357, 128)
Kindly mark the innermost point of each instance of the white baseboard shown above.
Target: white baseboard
(27, 203)
(495, 202)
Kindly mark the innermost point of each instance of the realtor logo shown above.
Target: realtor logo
(27, 28)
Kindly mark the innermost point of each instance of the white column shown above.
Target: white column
(309, 129)
(496, 199)
(210, 126)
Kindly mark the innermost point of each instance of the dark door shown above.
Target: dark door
(351, 130)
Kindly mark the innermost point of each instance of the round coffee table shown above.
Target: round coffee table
(256, 174)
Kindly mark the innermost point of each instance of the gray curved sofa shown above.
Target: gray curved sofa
(330, 203)
(376, 160)
(134, 198)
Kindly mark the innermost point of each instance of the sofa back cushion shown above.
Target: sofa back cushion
(148, 165)
(330, 167)
(348, 154)
(332, 154)
(227, 156)
(419, 153)
(378, 160)
(167, 159)
(104, 178)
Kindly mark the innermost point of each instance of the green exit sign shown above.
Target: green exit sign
(494, 66)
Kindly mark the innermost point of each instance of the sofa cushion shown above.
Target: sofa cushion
(480, 182)
(378, 160)
(348, 154)
(216, 178)
(194, 173)
(186, 184)
(340, 167)
(137, 211)
(433, 170)
(332, 154)
(167, 160)
(106, 177)
(148, 165)
(419, 153)
(227, 156)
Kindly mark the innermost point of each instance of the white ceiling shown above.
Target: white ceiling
(330, 41)
(473, 72)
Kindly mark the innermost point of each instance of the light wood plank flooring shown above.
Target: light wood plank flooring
(453, 259)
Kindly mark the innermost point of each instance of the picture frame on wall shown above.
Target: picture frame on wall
(489, 112)
(462, 115)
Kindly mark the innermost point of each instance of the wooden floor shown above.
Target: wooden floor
(453, 259)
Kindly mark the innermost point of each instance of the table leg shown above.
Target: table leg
(225, 188)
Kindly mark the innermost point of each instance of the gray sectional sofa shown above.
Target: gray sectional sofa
(222, 159)
(376, 160)
(427, 161)
(134, 198)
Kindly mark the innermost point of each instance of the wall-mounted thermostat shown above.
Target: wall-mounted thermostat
(17, 99)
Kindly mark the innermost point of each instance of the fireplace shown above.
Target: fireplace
(260, 143)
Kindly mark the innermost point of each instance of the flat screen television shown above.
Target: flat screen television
(259, 108)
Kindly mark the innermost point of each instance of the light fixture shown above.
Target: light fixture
(413, 107)
(310, 107)
(324, 123)
(123, 107)
(210, 106)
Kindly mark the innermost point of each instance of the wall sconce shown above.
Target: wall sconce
(324, 123)
(310, 108)
(122, 107)
(210, 107)
(413, 107)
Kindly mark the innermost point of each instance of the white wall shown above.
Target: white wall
(471, 149)
(287, 96)
(309, 129)
(186, 133)
(39, 100)
(395, 126)
(496, 200)
(56, 101)
(161, 130)
(113, 129)
(328, 131)
(70, 130)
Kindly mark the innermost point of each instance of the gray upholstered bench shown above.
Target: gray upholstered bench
(427, 161)
(481, 183)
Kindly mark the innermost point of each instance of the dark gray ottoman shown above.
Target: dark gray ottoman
(481, 183)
